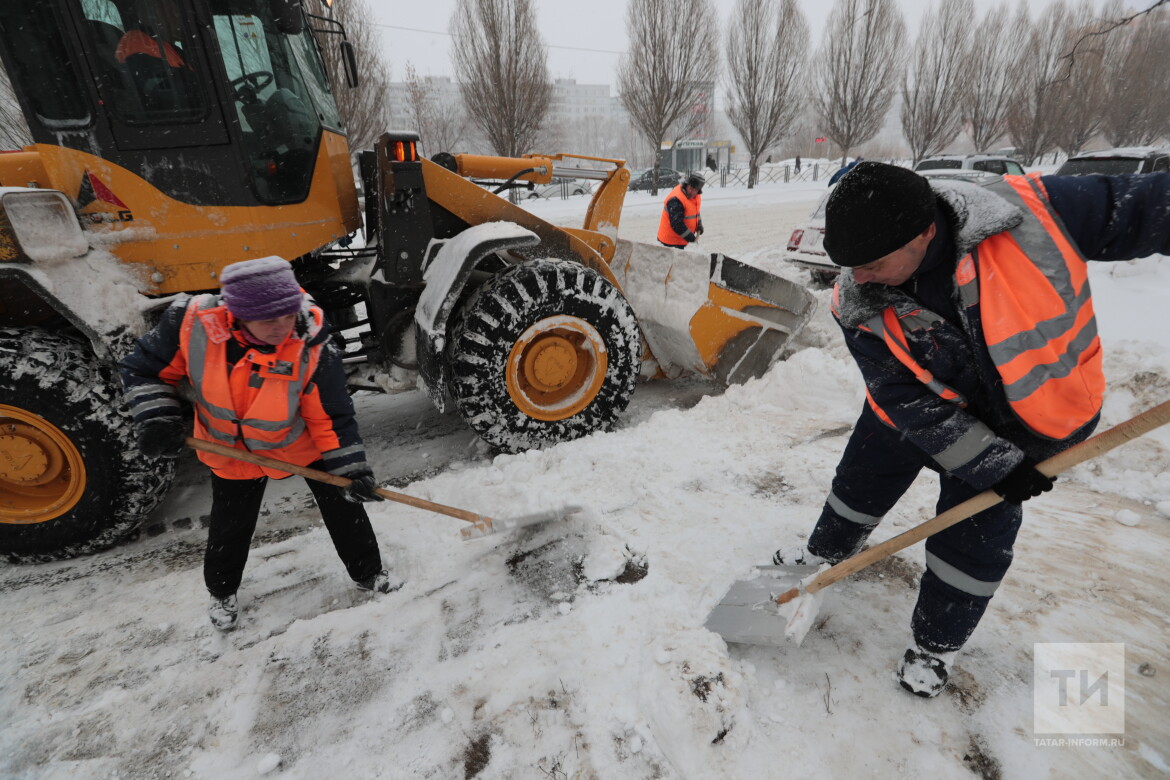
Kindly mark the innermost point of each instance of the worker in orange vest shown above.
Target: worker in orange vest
(681, 223)
(968, 312)
(266, 378)
(139, 42)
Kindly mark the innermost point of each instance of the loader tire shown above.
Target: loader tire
(72, 481)
(545, 352)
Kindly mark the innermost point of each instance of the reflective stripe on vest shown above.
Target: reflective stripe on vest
(273, 418)
(892, 329)
(666, 233)
(1032, 287)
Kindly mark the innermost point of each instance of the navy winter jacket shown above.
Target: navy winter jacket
(1108, 217)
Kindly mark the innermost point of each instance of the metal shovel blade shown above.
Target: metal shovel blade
(486, 526)
(749, 615)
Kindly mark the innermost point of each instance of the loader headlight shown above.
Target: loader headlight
(44, 224)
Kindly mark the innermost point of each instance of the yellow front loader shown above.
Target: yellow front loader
(153, 166)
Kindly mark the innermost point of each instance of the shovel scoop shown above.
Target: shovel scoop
(752, 610)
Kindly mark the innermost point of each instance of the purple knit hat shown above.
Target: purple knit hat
(260, 289)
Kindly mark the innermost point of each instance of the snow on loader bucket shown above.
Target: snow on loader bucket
(709, 313)
(480, 525)
(780, 605)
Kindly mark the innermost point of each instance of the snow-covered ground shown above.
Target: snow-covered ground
(577, 649)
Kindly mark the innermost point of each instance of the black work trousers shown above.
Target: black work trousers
(235, 507)
(964, 563)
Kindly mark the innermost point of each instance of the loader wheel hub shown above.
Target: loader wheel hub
(551, 363)
(42, 474)
(556, 368)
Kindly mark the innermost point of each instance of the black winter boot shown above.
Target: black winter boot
(923, 672)
(379, 583)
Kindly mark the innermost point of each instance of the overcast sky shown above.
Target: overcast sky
(585, 39)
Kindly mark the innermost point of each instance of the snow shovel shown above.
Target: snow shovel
(780, 605)
(481, 525)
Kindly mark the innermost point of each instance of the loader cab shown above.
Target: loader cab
(214, 102)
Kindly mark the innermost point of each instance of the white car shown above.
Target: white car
(992, 163)
(806, 244)
(559, 189)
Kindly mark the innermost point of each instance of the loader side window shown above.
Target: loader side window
(139, 52)
(306, 53)
(43, 69)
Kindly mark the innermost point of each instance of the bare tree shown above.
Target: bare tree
(665, 78)
(767, 52)
(441, 122)
(935, 85)
(1138, 92)
(857, 69)
(364, 109)
(1080, 101)
(502, 68)
(13, 129)
(1032, 116)
(995, 48)
(595, 134)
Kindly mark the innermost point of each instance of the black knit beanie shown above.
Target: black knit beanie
(875, 209)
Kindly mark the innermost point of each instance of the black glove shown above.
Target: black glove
(162, 437)
(362, 488)
(1022, 483)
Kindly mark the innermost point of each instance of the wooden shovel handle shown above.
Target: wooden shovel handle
(332, 479)
(1078, 453)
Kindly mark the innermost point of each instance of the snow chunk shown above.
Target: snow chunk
(268, 763)
(1127, 517)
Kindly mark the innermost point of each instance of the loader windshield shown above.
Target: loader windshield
(280, 94)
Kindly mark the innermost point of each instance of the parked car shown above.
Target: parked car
(667, 179)
(559, 188)
(1132, 159)
(806, 244)
(991, 163)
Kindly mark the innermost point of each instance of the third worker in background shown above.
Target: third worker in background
(680, 223)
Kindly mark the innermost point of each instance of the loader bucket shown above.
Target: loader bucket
(709, 313)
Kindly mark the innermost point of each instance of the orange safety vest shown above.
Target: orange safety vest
(691, 206)
(248, 408)
(138, 42)
(1032, 288)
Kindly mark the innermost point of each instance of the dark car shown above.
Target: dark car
(667, 179)
(1132, 159)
